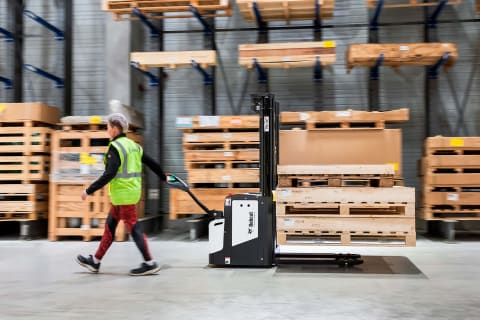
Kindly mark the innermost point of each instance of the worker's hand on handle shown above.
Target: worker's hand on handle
(84, 194)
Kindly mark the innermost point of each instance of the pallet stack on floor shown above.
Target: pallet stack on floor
(25, 133)
(221, 157)
(450, 172)
(78, 148)
(340, 181)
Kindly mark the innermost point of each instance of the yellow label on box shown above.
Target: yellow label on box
(2, 107)
(457, 142)
(394, 164)
(329, 44)
(95, 119)
(86, 159)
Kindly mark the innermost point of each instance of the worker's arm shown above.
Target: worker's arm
(111, 169)
(154, 166)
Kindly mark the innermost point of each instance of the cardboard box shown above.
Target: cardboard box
(341, 146)
(33, 111)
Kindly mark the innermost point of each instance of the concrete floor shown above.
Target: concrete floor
(435, 280)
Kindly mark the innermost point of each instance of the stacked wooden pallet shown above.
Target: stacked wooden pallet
(158, 9)
(77, 160)
(221, 157)
(450, 173)
(25, 132)
(340, 180)
(354, 214)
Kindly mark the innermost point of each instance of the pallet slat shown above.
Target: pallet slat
(218, 122)
(25, 140)
(395, 55)
(24, 168)
(250, 175)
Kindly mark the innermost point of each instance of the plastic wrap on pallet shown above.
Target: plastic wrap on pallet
(76, 166)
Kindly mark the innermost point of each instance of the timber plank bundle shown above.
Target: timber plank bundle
(287, 54)
(158, 9)
(400, 54)
(408, 3)
(173, 59)
(286, 10)
(221, 156)
(346, 216)
(311, 120)
(450, 172)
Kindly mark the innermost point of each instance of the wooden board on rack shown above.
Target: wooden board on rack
(408, 3)
(399, 54)
(285, 10)
(152, 9)
(25, 140)
(208, 138)
(287, 55)
(173, 59)
(240, 175)
(345, 118)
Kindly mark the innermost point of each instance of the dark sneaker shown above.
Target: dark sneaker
(145, 269)
(88, 263)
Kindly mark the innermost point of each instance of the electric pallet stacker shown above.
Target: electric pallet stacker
(244, 233)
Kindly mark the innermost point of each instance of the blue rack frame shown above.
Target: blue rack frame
(8, 35)
(59, 35)
(59, 82)
(207, 78)
(154, 33)
(7, 83)
(153, 79)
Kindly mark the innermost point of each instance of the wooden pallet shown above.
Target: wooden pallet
(399, 54)
(287, 55)
(235, 175)
(25, 140)
(20, 202)
(449, 214)
(224, 138)
(456, 163)
(345, 230)
(408, 3)
(452, 145)
(173, 59)
(29, 111)
(346, 239)
(451, 179)
(24, 168)
(66, 205)
(181, 205)
(158, 9)
(344, 209)
(218, 123)
(344, 119)
(285, 10)
(349, 195)
(221, 156)
(335, 175)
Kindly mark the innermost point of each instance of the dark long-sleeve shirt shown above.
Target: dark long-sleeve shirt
(112, 165)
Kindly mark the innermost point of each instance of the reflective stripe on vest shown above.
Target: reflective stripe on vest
(125, 173)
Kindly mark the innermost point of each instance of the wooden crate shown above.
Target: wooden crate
(29, 111)
(26, 140)
(285, 10)
(182, 205)
(77, 155)
(344, 118)
(287, 55)
(345, 230)
(158, 9)
(65, 206)
(24, 168)
(20, 202)
(398, 54)
(173, 59)
(408, 3)
(224, 124)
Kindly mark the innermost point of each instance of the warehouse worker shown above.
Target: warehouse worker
(123, 170)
